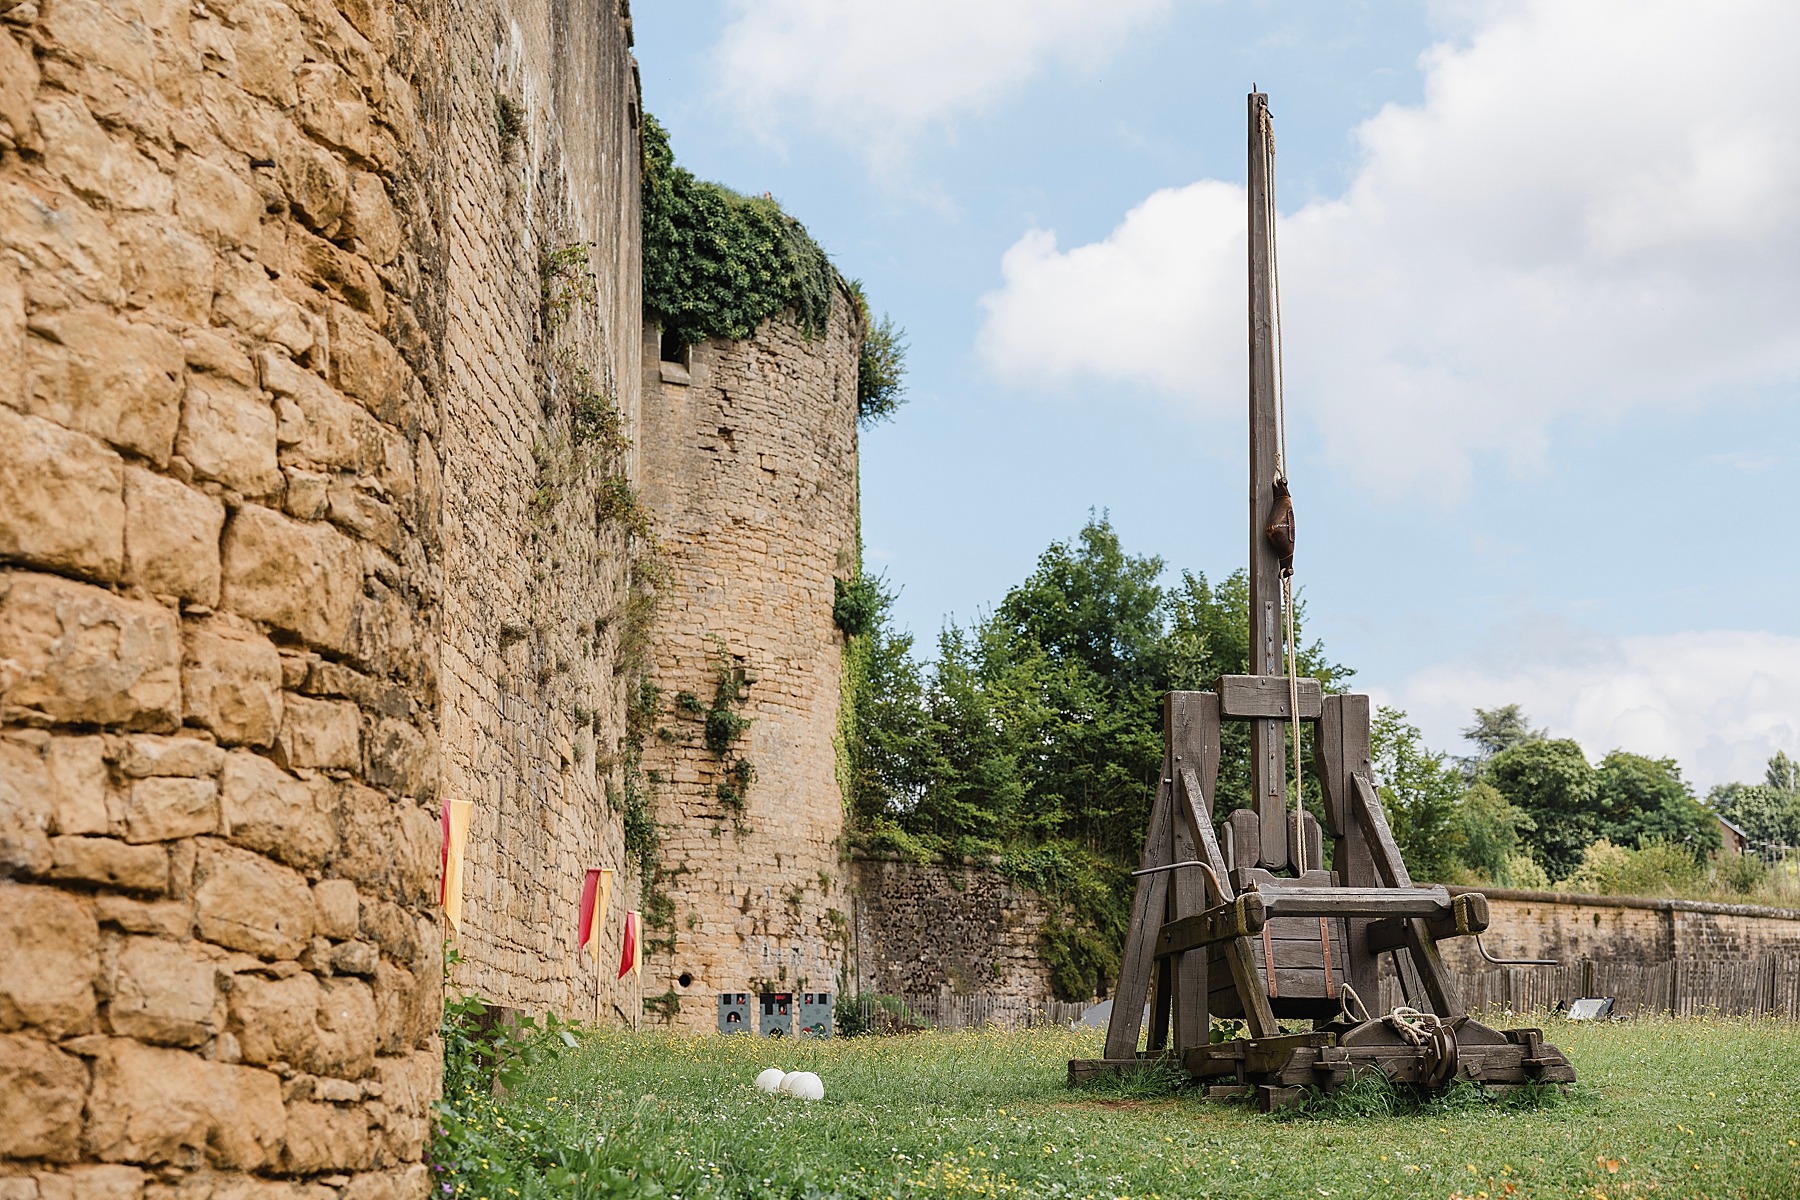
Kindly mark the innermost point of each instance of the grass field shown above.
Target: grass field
(1670, 1108)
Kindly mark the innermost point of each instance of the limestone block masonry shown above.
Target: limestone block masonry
(277, 394)
(750, 466)
(932, 929)
(1571, 927)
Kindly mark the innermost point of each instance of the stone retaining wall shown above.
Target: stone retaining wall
(1572, 927)
(965, 930)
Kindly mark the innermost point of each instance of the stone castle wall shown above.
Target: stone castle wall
(749, 461)
(966, 930)
(537, 581)
(1623, 929)
(280, 485)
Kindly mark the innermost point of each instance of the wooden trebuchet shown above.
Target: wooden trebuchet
(1252, 926)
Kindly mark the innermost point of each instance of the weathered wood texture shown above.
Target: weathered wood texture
(1267, 768)
(1191, 733)
(1767, 986)
(1468, 915)
(1340, 751)
(1243, 917)
(1147, 907)
(1246, 696)
(1236, 953)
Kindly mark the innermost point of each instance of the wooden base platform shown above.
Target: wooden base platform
(1277, 1070)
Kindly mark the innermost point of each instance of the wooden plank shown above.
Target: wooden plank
(1468, 915)
(1256, 1054)
(1186, 732)
(1085, 1070)
(1297, 982)
(1356, 902)
(1137, 961)
(1242, 697)
(1191, 804)
(1243, 917)
(1328, 764)
(1156, 1039)
(1353, 864)
(1268, 790)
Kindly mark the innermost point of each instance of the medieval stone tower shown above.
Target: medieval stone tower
(749, 461)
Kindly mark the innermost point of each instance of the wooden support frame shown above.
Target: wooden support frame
(1320, 935)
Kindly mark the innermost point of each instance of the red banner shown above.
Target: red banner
(628, 961)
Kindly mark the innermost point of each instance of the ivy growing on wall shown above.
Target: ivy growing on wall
(718, 263)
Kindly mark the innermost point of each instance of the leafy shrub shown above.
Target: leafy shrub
(880, 372)
(594, 420)
(1523, 871)
(1078, 958)
(1657, 868)
(481, 1146)
(857, 604)
(717, 263)
(1739, 872)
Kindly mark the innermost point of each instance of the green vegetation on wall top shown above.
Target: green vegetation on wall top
(718, 263)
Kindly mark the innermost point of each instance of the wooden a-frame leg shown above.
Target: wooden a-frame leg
(1191, 734)
(1239, 958)
(1147, 908)
(1434, 977)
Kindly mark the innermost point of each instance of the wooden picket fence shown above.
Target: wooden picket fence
(1766, 987)
(946, 1010)
(1760, 987)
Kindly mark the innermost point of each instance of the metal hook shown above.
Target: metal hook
(1513, 962)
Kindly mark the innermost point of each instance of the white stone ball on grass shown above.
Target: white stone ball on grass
(803, 1085)
(770, 1080)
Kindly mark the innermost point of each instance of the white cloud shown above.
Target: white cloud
(882, 73)
(1596, 207)
(1720, 703)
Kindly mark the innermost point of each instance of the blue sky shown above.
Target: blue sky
(1541, 270)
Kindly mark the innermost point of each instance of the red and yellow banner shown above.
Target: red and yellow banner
(596, 897)
(631, 959)
(455, 823)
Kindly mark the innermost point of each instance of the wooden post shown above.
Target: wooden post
(1147, 907)
(1191, 732)
(1268, 780)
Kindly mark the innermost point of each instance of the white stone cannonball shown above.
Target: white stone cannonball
(770, 1080)
(803, 1085)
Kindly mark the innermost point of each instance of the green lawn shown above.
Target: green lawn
(1664, 1107)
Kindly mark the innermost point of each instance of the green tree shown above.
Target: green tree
(1783, 773)
(1496, 730)
(1641, 799)
(1768, 811)
(1036, 735)
(1420, 792)
(1553, 784)
(892, 741)
(976, 790)
(1765, 814)
(1076, 653)
(1488, 829)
